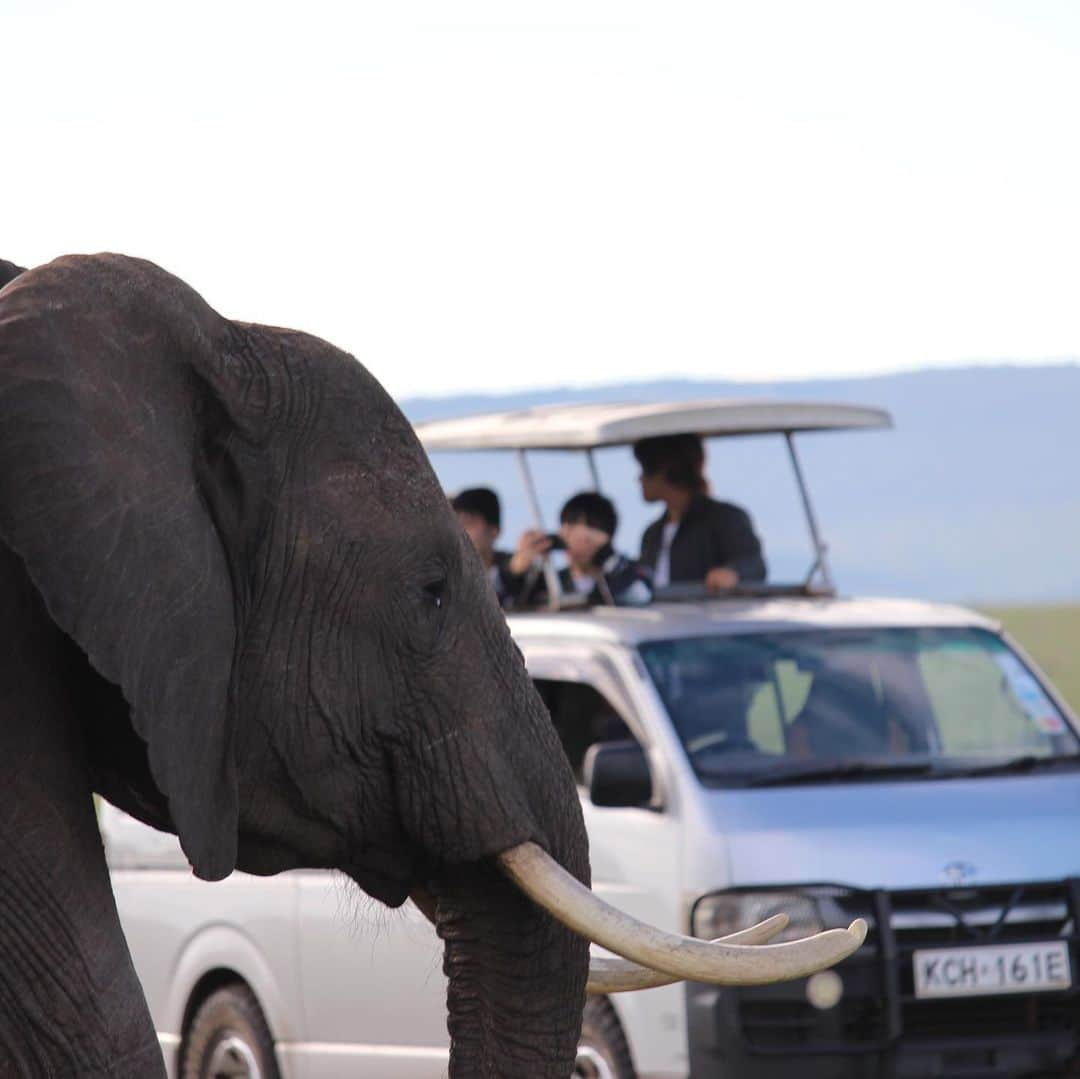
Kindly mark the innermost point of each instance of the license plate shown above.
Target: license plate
(1008, 968)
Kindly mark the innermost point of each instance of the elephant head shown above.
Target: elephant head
(294, 658)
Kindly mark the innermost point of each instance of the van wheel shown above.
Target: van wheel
(602, 1049)
(229, 1038)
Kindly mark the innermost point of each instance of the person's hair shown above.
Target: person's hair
(480, 502)
(591, 508)
(680, 459)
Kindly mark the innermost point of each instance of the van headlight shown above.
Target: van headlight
(724, 913)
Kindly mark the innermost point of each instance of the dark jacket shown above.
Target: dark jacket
(625, 582)
(711, 534)
(506, 584)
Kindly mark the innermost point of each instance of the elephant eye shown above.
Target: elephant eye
(435, 591)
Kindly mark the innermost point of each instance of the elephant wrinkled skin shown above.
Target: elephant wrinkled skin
(240, 608)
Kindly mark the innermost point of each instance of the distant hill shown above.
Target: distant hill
(974, 496)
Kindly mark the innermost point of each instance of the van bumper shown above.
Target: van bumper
(879, 1029)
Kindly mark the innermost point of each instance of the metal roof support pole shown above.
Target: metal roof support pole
(530, 489)
(821, 564)
(551, 578)
(592, 469)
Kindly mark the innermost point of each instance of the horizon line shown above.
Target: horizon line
(982, 367)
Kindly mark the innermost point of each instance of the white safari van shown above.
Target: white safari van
(781, 750)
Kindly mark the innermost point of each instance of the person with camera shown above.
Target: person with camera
(594, 571)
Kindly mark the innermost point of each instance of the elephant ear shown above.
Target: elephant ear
(106, 372)
(9, 271)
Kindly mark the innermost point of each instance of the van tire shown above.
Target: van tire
(229, 1037)
(602, 1049)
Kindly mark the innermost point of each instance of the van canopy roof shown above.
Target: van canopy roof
(585, 426)
(589, 426)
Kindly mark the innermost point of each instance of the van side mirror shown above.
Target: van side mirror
(617, 774)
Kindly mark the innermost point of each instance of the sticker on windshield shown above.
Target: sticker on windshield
(1049, 723)
(1032, 698)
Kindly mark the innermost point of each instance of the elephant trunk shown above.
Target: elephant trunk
(516, 979)
(470, 785)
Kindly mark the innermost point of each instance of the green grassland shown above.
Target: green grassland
(1051, 636)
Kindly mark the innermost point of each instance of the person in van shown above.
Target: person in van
(479, 513)
(698, 538)
(595, 570)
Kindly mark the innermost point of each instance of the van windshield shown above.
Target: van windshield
(823, 704)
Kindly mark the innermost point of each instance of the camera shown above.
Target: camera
(557, 542)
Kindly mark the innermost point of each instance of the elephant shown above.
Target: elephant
(239, 607)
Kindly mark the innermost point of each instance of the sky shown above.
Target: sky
(495, 195)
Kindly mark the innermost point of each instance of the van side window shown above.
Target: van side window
(582, 716)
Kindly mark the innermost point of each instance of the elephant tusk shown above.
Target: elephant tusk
(608, 975)
(622, 976)
(565, 898)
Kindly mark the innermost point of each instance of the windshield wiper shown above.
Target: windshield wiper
(833, 771)
(838, 771)
(1026, 762)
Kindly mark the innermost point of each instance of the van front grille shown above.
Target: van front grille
(879, 1009)
(794, 1024)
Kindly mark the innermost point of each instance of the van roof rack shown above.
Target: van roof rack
(688, 592)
